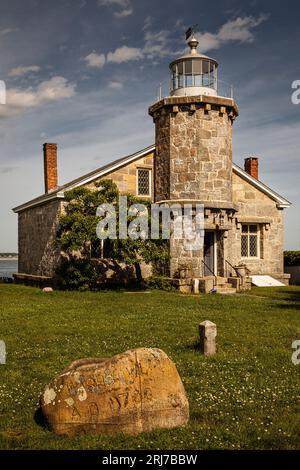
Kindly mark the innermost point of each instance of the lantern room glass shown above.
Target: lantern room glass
(194, 73)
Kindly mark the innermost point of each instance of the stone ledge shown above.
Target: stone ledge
(254, 220)
(33, 280)
(228, 103)
(32, 276)
(284, 278)
(207, 204)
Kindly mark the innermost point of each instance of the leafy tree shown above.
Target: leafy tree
(77, 231)
(292, 258)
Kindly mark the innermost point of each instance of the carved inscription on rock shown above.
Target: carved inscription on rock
(136, 391)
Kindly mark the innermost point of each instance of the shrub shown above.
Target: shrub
(292, 258)
(78, 274)
(78, 232)
(159, 282)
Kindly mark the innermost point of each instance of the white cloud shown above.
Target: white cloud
(115, 85)
(18, 100)
(5, 31)
(124, 54)
(20, 71)
(157, 44)
(123, 13)
(148, 22)
(95, 60)
(125, 7)
(240, 29)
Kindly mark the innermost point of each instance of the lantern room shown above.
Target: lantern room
(194, 73)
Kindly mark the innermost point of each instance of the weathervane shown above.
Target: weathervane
(190, 32)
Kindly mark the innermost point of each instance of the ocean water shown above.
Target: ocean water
(8, 267)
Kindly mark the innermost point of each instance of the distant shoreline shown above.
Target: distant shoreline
(13, 258)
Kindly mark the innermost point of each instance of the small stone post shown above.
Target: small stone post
(195, 286)
(208, 333)
(2, 352)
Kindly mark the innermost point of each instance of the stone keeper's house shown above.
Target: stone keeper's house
(191, 161)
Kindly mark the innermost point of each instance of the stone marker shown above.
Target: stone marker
(196, 286)
(208, 333)
(47, 289)
(136, 391)
(2, 352)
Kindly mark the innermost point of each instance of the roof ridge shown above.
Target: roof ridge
(58, 193)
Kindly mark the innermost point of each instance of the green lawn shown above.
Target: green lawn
(245, 397)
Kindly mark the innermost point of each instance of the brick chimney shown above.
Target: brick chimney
(251, 166)
(50, 167)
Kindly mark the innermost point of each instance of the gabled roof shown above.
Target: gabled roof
(281, 201)
(58, 193)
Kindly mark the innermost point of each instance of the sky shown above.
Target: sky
(82, 74)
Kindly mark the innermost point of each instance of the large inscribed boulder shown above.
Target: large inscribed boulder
(136, 391)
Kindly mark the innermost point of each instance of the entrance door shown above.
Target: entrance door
(209, 253)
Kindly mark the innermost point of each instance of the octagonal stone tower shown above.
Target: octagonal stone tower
(193, 135)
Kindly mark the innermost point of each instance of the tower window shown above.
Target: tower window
(250, 241)
(143, 182)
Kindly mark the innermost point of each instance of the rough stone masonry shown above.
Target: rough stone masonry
(193, 160)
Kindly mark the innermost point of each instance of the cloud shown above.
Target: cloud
(5, 31)
(18, 100)
(121, 54)
(157, 44)
(148, 22)
(95, 60)
(20, 71)
(115, 85)
(239, 29)
(123, 13)
(125, 7)
(124, 54)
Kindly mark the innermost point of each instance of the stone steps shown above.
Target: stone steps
(224, 285)
(208, 283)
(226, 290)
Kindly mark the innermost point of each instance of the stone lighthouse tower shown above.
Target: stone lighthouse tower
(193, 163)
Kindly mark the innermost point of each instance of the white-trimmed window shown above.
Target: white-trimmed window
(144, 182)
(250, 241)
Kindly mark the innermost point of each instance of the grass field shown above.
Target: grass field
(245, 397)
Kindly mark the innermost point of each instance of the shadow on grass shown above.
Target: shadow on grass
(291, 299)
(287, 306)
(291, 295)
(39, 418)
(194, 346)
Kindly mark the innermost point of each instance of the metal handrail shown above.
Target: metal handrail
(215, 277)
(227, 262)
(165, 86)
